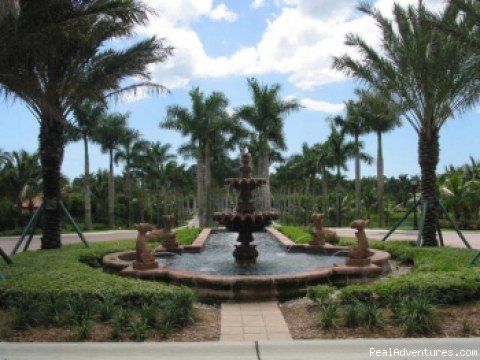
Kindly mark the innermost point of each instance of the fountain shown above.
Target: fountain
(245, 220)
(283, 270)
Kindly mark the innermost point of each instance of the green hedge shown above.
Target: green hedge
(443, 273)
(64, 273)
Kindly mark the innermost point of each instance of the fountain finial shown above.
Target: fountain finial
(245, 151)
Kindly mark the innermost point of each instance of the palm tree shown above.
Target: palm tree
(341, 151)
(381, 116)
(354, 125)
(455, 191)
(154, 162)
(109, 134)
(130, 150)
(325, 161)
(53, 56)
(427, 72)
(87, 114)
(206, 124)
(21, 172)
(266, 115)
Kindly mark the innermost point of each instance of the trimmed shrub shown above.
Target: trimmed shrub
(55, 288)
(320, 293)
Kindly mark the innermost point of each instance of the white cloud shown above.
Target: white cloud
(221, 12)
(257, 4)
(322, 106)
(299, 42)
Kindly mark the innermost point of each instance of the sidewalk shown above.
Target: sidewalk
(253, 321)
(351, 349)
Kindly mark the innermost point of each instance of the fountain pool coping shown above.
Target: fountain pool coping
(247, 287)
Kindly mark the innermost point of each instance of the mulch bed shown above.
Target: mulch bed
(205, 328)
(301, 319)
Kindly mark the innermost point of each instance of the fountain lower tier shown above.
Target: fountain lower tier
(281, 272)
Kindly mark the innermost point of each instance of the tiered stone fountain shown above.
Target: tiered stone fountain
(245, 220)
(284, 270)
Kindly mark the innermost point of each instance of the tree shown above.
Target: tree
(381, 116)
(325, 161)
(54, 55)
(208, 121)
(21, 172)
(341, 151)
(354, 125)
(130, 150)
(428, 72)
(155, 160)
(109, 134)
(87, 114)
(266, 115)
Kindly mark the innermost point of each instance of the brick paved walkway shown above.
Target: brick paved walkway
(253, 321)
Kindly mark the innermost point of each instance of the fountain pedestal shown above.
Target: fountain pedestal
(245, 253)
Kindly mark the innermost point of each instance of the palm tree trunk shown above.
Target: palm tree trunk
(128, 190)
(324, 190)
(208, 184)
(380, 181)
(52, 143)
(428, 154)
(337, 197)
(200, 192)
(111, 194)
(358, 189)
(88, 197)
(265, 159)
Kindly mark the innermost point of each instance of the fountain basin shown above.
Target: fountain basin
(211, 286)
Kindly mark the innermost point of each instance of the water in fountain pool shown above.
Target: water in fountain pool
(216, 258)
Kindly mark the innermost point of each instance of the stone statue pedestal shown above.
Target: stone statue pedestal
(359, 253)
(144, 257)
(318, 237)
(169, 242)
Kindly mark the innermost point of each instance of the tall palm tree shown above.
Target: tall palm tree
(109, 134)
(54, 55)
(266, 115)
(325, 161)
(154, 163)
(21, 172)
(381, 116)
(87, 115)
(341, 150)
(208, 121)
(354, 125)
(428, 72)
(130, 150)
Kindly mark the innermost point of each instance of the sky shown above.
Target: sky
(220, 43)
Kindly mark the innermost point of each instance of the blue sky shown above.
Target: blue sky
(218, 44)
